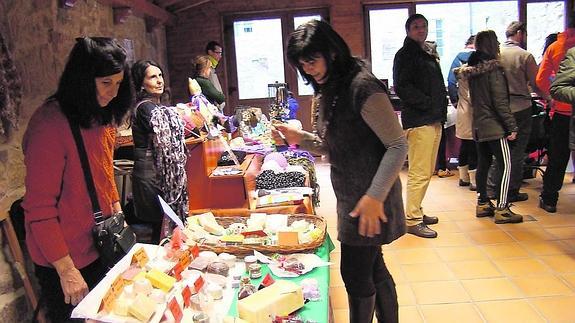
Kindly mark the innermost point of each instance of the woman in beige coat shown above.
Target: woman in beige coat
(463, 130)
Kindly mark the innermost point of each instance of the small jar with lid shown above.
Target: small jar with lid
(255, 271)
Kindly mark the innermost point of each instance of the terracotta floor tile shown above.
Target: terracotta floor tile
(531, 235)
(461, 253)
(505, 250)
(490, 289)
(570, 280)
(409, 314)
(405, 295)
(444, 313)
(560, 263)
(341, 315)
(521, 266)
(409, 241)
(450, 239)
(509, 311)
(541, 285)
(476, 224)
(489, 237)
(335, 278)
(446, 226)
(556, 309)
(427, 272)
(542, 248)
(416, 256)
(335, 258)
(473, 269)
(338, 297)
(440, 292)
(562, 232)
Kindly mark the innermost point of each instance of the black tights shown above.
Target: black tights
(362, 268)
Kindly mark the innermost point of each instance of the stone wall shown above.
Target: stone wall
(40, 35)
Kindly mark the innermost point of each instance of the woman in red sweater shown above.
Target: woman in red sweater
(94, 91)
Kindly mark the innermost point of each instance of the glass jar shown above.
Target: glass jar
(246, 288)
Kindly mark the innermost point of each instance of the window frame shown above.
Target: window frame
(287, 23)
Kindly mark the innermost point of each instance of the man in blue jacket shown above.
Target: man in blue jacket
(419, 84)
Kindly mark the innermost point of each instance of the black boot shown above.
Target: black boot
(386, 307)
(361, 308)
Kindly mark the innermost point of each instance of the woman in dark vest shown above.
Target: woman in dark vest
(355, 125)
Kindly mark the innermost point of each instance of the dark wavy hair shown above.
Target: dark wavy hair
(139, 74)
(486, 42)
(317, 37)
(93, 57)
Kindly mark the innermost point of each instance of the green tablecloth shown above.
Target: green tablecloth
(317, 311)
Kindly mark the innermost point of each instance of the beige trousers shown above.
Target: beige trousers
(423, 143)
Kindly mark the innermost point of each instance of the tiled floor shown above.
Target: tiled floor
(476, 271)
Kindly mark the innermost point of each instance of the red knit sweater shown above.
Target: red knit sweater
(58, 211)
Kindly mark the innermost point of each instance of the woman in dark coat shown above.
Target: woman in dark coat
(159, 150)
(355, 125)
(493, 123)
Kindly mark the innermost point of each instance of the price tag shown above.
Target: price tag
(140, 257)
(187, 295)
(112, 294)
(198, 284)
(177, 271)
(195, 251)
(176, 310)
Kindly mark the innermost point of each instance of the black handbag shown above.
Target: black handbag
(112, 239)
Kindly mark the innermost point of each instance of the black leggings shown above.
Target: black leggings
(362, 268)
(485, 152)
(53, 296)
(468, 154)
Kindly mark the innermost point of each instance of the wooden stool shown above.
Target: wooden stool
(19, 263)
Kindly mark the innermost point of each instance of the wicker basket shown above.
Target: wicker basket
(242, 250)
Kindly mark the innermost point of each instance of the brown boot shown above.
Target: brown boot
(505, 215)
(484, 209)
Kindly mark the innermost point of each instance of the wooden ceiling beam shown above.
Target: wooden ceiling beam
(145, 7)
(167, 3)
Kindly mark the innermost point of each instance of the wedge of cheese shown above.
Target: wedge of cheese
(142, 308)
(161, 280)
(209, 223)
(281, 298)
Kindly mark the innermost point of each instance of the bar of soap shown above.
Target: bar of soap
(281, 298)
(161, 280)
(142, 308)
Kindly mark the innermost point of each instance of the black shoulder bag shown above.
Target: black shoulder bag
(111, 238)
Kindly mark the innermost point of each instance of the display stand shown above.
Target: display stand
(208, 192)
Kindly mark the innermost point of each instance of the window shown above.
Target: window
(450, 24)
(386, 38)
(302, 88)
(256, 54)
(543, 18)
(262, 64)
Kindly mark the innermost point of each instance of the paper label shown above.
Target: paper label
(140, 257)
(198, 284)
(112, 294)
(187, 296)
(176, 310)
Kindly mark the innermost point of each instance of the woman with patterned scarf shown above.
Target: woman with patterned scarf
(159, 150)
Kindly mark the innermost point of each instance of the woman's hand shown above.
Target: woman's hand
(370, 213)
(512, 136)
(73, 286)
(283, 134)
